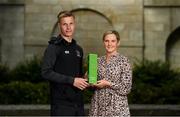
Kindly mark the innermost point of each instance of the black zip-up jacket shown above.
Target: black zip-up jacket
(62, 62)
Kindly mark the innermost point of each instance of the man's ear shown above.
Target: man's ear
(118, 43)
(58, 25)
(59, 29)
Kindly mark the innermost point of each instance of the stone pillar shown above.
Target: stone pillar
(12, 33)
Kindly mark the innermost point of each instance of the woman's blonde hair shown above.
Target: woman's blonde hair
(112, 32)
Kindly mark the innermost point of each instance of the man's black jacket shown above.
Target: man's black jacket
(62, 62)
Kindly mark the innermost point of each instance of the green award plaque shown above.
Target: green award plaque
(92, 68)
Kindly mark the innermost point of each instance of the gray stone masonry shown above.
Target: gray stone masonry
(135, 109)
(144, 27)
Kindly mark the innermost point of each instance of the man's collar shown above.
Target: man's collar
(65, 41)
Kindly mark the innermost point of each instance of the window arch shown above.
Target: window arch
(173, 48)
(90, 26)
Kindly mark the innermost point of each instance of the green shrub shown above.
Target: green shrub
(28, 70)
(4, 73)
(154, 83)
(24, 93)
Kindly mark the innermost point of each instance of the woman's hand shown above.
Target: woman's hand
(102, 84)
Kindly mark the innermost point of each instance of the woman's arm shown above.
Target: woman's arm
(124, 86)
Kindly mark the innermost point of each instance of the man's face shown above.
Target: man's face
(67, 26)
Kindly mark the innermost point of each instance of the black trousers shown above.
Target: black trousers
(67, 110)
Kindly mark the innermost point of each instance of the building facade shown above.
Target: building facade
(149, 29)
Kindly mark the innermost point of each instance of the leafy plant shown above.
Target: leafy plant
(28, 70)
(154, 83)
(4, 73)
(24, 93)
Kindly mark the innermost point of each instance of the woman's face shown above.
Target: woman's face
(111, 43)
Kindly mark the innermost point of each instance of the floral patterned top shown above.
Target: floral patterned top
(112, 101)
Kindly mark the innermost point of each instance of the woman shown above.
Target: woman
(114, 80)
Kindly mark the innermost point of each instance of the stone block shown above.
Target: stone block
(161, 2)
(157, 15)
(47, 2)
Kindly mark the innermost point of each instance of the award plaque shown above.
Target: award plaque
(92, 68)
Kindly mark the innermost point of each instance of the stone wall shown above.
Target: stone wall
(93, 19)
(144, 27)
(161, 18)
(135, 110)
(11, 32)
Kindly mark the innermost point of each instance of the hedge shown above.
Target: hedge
(28, 70)
(24, 93)
(154, 82)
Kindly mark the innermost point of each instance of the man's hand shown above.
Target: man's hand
(80, 83)
(86, 76)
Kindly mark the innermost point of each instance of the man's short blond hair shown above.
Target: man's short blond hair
(65, 14)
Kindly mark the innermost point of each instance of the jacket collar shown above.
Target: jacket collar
(59, 39)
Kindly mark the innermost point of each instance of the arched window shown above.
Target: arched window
(173, 48)
(90, 26)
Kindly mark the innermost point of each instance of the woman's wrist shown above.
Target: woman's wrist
(108, 84)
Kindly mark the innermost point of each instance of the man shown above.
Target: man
(62, 66)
